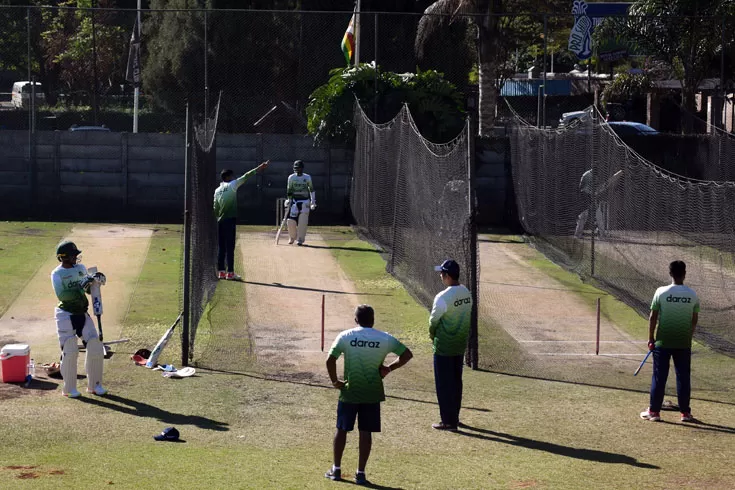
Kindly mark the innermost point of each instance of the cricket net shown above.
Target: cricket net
(202, 247)
(620, 227)
(411, 198)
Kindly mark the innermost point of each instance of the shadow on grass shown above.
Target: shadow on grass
(329, 387)
(140, 409)
(299, 288)
(367, 485)
(698, 424)
(349, 249)
(578, 383)
(550, 447)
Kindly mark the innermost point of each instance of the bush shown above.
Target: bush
(436, 105)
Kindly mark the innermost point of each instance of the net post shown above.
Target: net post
(323, 297)
(187, 247)
(597, 346)
(593, 202)
(472, 351)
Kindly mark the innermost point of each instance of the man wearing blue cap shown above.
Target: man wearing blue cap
(449, 328)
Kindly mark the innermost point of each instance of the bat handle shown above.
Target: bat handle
(99, 324)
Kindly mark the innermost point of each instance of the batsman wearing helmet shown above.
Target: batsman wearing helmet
(72, 283)
(301, 200)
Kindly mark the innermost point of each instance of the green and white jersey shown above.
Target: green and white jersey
(299, 186)
(450, 320)
(365, 350)
(66, 286)
(675, 305)
(225, 197)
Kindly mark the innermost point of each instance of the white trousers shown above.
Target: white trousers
(67, 330)
(298, 213)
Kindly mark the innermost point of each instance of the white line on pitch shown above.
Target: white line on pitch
(583, 341)
(600, 355)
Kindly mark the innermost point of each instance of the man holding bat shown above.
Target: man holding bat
(72, 283)
(675, 309)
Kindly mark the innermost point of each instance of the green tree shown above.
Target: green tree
(685, 34)
(436, 104)
(497, 38)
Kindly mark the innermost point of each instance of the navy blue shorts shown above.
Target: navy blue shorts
(368, 413)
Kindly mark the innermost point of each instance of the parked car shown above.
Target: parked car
(568, 118)
(630, 128)
(21, 94)
(89, 128)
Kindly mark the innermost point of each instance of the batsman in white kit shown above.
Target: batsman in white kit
(301, 200)
(72, 283)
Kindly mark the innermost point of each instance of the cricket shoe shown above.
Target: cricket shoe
(443, 426)
(652, 416)
(290, 241)
(687, 417)
(333, 474)
(361, 479)
(221, 275)
(231, 276)
(73, 394)
(97, 390)
(300, 243)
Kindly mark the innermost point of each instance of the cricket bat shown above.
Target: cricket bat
(96, 294)
(156, 352)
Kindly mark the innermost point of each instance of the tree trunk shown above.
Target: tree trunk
(487, 54)
(688, 90)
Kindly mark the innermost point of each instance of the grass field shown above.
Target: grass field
(251, 429)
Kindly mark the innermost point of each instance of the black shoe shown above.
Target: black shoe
(443, 426)
(333, 474)
(361, 479)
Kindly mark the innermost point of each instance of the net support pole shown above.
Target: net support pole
(597, 346)
(323, 297)
(472, 354)
(187, 247)
(593, 202)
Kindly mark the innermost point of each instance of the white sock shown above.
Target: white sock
(358, 472)
(336, 468)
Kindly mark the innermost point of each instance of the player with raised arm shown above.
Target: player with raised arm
(675, 311)
(71, 284)
(301, 200)
(361, 391)
(225, 209)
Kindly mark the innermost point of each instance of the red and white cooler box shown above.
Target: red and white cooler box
(14, 360)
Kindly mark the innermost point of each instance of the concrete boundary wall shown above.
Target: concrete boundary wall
(100, 176)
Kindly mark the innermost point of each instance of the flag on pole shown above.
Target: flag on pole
(133, 72)
(348, 41)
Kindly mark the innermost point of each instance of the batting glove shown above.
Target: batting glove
(86, 282)
(313, 206)
(100, 277)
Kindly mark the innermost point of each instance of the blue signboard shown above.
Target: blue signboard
(586, 17)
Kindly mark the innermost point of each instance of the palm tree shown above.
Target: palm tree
(487, 42)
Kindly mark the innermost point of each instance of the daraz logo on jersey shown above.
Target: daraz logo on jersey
(677, 299)
(365, 343)
(461, 302)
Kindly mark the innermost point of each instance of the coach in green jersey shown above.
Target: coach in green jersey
(675, 311)
(449, 328)
(225, 209)
(361, 392)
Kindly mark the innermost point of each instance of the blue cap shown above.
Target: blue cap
(449, 266)
(168, 434)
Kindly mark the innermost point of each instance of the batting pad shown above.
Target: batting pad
(291, 229)
(94, 363)
(70, 355)
(303, 224)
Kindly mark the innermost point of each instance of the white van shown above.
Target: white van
(22, 94)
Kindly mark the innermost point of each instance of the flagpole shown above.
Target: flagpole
(136, 95)
(357, 34)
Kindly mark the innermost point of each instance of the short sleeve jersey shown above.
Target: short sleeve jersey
(365, 350)
(299, 186)
(450, 320)
(225, 197)
(675, 305)
(66, 286)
